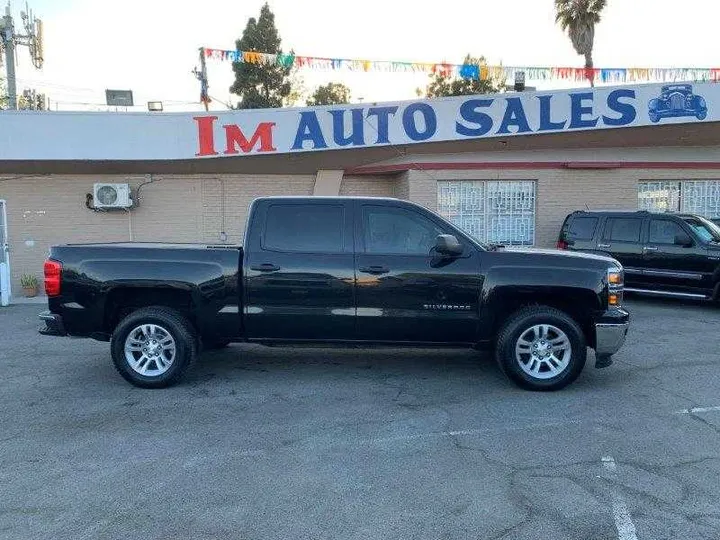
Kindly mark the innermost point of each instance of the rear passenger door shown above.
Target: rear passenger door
(622, 239)
(299, 271)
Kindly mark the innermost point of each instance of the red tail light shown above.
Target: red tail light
(52, 277)
(562, 244)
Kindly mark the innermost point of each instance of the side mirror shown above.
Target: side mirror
(683, 240)
(447, 244)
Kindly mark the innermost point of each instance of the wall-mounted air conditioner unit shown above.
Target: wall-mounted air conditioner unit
(111, 196)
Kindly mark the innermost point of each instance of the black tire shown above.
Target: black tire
(521, 322)
(176, 325)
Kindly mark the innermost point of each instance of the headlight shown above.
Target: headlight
(615, 280)
(616, 277)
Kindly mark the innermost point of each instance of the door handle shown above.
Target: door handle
(650, 248)
(604, 246)
(265, 267)
(374, 269)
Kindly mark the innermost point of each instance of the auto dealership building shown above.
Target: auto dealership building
(507, 168)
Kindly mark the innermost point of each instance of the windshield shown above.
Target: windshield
(706, 230)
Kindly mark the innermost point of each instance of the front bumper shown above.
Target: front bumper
(609, 337)
(53, 324)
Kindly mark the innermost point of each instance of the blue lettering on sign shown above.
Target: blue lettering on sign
(475, 118)
(578, 111)
(514, 116)
(383, 121)
(469, 112)
(410, 125)
(627, 110)
(546, 123)
(309, 130)
(356, 137)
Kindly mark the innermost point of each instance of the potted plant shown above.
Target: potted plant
(29, 284)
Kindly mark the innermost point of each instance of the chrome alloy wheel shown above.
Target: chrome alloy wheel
(149, 350)
(543, 351)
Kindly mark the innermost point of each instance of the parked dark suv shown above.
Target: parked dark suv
(665, 254)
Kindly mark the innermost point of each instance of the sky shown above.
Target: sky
(151, 46)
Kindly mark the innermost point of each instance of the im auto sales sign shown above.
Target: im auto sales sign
(173, 136)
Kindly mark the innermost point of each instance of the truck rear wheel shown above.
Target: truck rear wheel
(153, 347)
(541, 348)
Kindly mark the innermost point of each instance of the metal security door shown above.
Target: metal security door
(4, 258)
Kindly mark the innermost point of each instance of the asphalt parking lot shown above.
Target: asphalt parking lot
(317, 443)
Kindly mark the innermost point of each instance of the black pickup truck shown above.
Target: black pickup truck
(339, 270)
(662, 254)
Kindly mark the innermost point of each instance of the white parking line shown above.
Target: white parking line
(698, 410)
(623, 523)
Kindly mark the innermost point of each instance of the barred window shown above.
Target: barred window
(660, 196)
(500, 212)
(701, 197)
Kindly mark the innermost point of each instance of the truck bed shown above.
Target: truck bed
(101, 281)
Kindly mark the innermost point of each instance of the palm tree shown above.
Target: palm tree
(579, 18)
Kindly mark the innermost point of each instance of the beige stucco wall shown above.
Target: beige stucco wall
(559, 191)
(48, 210)
(368, 186)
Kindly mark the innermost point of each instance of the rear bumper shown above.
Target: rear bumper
(53, 324)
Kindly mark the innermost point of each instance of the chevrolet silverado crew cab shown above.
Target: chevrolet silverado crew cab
(340, 270)
(662, 254)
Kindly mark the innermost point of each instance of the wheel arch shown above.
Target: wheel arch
(121, 301)
(578, 303)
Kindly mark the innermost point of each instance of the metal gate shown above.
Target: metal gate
(4, 258)
(491, 211)
(700, 197)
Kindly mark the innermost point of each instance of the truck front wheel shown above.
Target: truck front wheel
(541, 348)
(153, 347)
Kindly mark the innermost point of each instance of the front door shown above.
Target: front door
(406, 291)
(673, 267)
(299, 274)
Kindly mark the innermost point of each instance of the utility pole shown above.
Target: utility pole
(8, 41)
(201, 75)
(31, 39)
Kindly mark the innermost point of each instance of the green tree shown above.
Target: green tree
(298, 90)
(330, 94)
(4, 98)
(261, 85)
(578, 18)
(452, 85)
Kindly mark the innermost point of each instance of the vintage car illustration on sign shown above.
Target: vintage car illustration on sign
(677, 100)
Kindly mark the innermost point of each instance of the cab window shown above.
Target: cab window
(664, 231)
(398, 231)
(706, 230)
(623, 229)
